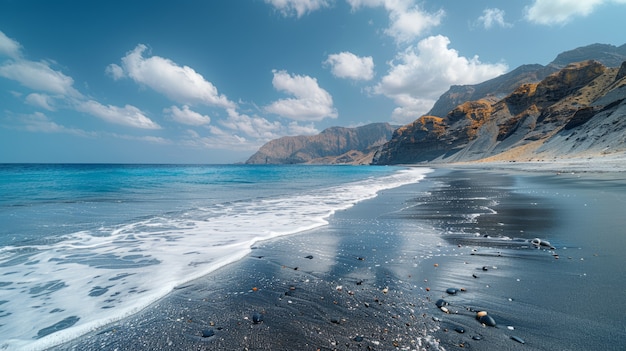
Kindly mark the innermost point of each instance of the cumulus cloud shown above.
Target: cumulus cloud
(115, 71)
(420, 74)
(39, 76)
(9, 47)
(187, 116)
(179, 83)
(407, 20)
(41, 100)
(493, 17)
(351, 66)
(40, 123)
(51, 85)
(127, 115)
(298, 7)
(549, 12)
(311, 103)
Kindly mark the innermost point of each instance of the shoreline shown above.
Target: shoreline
(368, 281)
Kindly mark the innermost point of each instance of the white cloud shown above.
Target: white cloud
(179, 83)
(39, 76)
(115, 71)
(298, 7)
(187, 116)
(549, 12)
(41, 100)
(9, 47)
(311, 103)
(421, 74)
(493, 17)
(407, 20)
(40, 123)
(349, 65)
(252, 126)
(127, 115)
(295, 129)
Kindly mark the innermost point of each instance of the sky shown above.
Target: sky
(191, 81)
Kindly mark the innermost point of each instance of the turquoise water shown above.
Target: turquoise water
(83, 245)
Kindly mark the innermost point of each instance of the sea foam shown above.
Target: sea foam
(54, 292)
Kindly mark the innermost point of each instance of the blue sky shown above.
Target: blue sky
(192, 81)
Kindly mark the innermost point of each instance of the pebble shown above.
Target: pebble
(477, 337)
(310, 257)
(451, 291)
(358, 338)
(480, 314)
(441, 302)
(518, 339)
(257, 318)
(459, 330)
(487, 320)
(207, 333)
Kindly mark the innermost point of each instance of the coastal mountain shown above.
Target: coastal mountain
(579, 110)
(499, 87)
(572, 106)
(335, 145)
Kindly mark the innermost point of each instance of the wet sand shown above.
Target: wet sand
(371, 278)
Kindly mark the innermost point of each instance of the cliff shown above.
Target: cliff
(577, 110)
(497, 88)
(336, 145)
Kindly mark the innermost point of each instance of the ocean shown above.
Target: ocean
(83, 245)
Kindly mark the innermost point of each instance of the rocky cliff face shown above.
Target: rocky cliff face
(336, 145)
(499, 87)
(576, 110)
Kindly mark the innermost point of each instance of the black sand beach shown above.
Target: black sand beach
(370, 280)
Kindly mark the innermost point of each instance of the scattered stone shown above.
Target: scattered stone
(538, 243)
(477, 337)
(385, 290)
(310, 257)
(335, 320)
(358, 338)
(474, 275)
(485, 268)
(509, 327)
(487, 320)
(441, 302)
(460, 330)
(207, 333)
(452, 291)
(257, 318)
(518, 339)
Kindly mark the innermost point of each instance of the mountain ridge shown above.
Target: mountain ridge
(508, 117)
(576, 110)
(334, 145)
